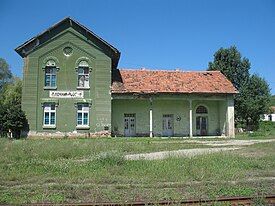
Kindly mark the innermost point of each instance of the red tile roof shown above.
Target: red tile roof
(160, 81)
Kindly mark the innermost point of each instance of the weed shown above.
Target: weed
(6, 197)
(259, 201)
(110, 158)
(83, 170)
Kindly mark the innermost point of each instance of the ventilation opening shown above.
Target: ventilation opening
(207, 74)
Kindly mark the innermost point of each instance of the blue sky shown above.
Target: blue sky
(155, 34)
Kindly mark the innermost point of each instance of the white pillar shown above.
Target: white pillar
(151, 118)
(230, 122)
(190, 119)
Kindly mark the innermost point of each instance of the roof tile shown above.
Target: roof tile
(165, 81)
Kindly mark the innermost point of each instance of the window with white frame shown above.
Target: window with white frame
(49, 115)
(50, 76)
(83, 74)
(82, 115)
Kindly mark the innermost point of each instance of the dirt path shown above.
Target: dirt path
(177, 153)
(230, 142)
(235, 145)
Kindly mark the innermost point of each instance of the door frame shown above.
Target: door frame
(202, 113)
(200, 131)
(129, 116)
(166, 116)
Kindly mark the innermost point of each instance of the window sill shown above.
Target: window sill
(49, 126)
(82, 127)
(82, 88)
(50, 88)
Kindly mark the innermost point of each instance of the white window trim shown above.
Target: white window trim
(50, 111)
(82, 88)
(82, 127)
(85, 75)
(82, 111)
(51, 76)
(49, 88)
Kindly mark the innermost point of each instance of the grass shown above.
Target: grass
(92, 170)
(85, 148)
(266, 131)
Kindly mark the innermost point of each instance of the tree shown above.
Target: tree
(249, 105)
(254, 100)
(15, 120)
(12, 118)
(13, 92)
(3, 130)
(5, 74)
(232, 65)
(272, 103)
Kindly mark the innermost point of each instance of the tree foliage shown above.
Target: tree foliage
(5, 74)
(254, 100)
(254, 96)
(12, 118)
(232, 65)
(272, 102)
(13, 92)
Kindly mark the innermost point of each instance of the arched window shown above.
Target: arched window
(50, 67)
(201, 110)
(83, 74)
(50, 74)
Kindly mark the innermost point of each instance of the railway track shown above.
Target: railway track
(242, 200)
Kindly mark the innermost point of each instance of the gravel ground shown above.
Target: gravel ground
(230, 142)
(177, 153)
(197, 151)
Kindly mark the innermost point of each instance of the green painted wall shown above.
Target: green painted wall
(30, 90)
(106, 110)
(213, 116)
(99, 93)
(177, 106)
(139, 107)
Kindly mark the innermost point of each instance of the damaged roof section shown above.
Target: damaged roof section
(166, 81)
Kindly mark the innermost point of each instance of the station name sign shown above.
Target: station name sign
(66, 94)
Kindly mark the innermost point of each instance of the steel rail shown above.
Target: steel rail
(243, 200)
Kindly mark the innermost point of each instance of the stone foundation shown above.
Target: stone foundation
(32, 134)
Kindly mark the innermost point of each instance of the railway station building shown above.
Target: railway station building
(72, 87)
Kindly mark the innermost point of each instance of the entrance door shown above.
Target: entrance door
(167, 125)
(129, 125)
(201, 126)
